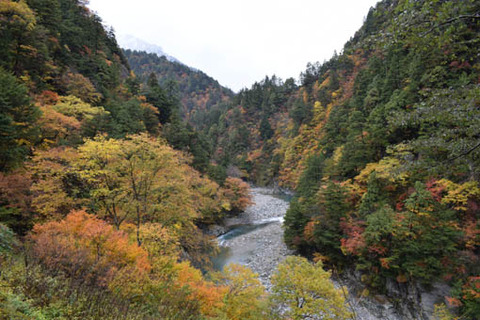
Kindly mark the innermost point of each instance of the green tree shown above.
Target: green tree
(447, 124)
(17, 121)
(310, 178)
(159, 97)
(294, 224)
(304, 205)
(266, 131)
(184, 137)
(126, 117)
(300, 113)
(419, 243)
(374, 198)
(356, 153)
(7, 242)
(327, 233)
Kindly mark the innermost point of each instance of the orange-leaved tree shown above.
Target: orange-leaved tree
(237, 193)
(86, 249)
(206, 293)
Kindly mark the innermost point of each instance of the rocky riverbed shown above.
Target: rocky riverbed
(255, 238)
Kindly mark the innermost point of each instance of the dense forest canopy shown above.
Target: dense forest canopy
(112, 162)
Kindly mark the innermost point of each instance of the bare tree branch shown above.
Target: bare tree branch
(451, 20)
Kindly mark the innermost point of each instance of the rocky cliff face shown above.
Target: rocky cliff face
(400, 301)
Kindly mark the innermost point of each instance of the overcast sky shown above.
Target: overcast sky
(239, 42)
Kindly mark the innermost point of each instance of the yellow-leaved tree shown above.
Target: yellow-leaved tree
(140, 179)
(302, 290)
(245, 297)
(53, 191)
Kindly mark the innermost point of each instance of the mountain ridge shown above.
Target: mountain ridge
(197, 92)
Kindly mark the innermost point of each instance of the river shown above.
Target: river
(255, 238)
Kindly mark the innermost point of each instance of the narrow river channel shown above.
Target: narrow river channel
(255, 238)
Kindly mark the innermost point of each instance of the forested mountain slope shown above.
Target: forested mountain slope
(381, 144)
(196, 91)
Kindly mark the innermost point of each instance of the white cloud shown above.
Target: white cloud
(238, 42)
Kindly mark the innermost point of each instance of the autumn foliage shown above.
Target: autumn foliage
(304, 290)
(86, 249)
(206, 293)
(380, 144)
(237, 193)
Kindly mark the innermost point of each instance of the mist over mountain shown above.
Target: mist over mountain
(127, 41)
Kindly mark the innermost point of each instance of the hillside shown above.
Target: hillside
(197, 92)
(381, 144)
